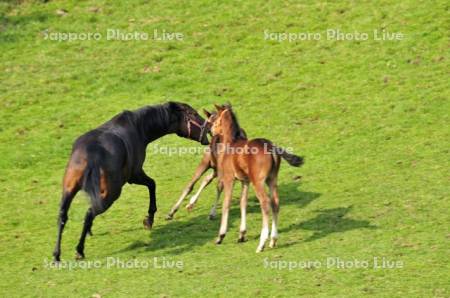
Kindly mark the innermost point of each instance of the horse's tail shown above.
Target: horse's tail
(91, 181)
(292, 159)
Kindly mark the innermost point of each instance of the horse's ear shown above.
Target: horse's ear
(174, 106)
(218, 108)
(207, 114)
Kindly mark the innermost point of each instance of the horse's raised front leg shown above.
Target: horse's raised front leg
(201, 169)
(206, 181)
(142, 179)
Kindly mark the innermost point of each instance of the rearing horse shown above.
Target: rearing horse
(105, 158)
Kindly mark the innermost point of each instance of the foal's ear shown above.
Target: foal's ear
(207, 114)
(220, 108)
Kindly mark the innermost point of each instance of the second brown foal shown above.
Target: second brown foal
(255, 161)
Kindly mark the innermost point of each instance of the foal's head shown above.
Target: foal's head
(189, 124)
(224, 123)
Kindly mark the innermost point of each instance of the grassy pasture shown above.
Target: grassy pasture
(371, 118)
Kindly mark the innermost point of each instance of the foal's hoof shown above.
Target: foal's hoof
(189, 207)
(169, 217)
(220, 239)
(211, 216)
(260, 249)
(242, 236)
(273, 243)
(79, 255)
(241, 240)
(148, 224)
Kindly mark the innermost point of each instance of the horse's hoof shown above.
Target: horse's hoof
(260, 249)
(220, 239)
(169, 217)
(241, 240)
(242, 236)
(211, 216)
(56, 259)
(79, 256)
(273, 243)
(147, 223)
(189, 207)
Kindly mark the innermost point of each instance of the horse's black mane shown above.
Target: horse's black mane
(146, 120)
(155, 117)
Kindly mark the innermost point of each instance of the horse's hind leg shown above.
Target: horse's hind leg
(265, 209)
(66, 200)
(88, 219)
(275, 203)
(243, 205)
(71, 185)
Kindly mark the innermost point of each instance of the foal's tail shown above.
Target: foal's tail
(292, 159)
(91, 182)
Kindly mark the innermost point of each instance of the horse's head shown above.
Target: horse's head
(190, 124)
(224, 122)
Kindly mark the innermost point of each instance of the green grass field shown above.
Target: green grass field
(371, 118)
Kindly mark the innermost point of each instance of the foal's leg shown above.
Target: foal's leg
(66, 200)
(228, 189)
(142, 179)
(244, 197)
(206, 181)
(275, 210)
(212, 213)
(201, 169)
(265, 208)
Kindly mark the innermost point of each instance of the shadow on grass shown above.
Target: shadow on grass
(12, 26)
(178, 236)
(330, 221)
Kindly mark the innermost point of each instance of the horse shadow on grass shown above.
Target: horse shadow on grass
(179, 235)
(329, 221)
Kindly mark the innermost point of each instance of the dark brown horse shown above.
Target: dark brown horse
(106, 158)
(255, 161)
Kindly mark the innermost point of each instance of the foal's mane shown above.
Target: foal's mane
(235, 127)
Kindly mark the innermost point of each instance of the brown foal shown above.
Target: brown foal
(207, 162)
(255, 161)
